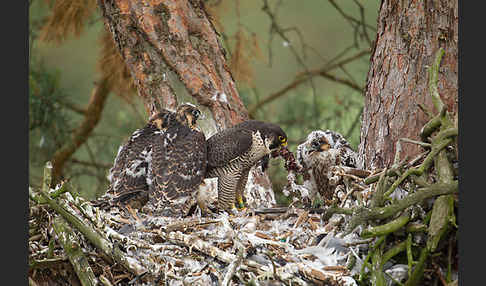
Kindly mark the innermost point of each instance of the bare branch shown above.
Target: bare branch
(91, 164)
(281, 32)
(93, 114)
(301, 78)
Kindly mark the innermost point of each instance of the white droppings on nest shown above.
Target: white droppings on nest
(250, 225)
(398, 272)
(292, 187)
(347, 281)
(258, 195)
(398, 194)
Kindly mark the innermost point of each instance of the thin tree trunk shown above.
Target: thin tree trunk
(91, 117)
(408, 35)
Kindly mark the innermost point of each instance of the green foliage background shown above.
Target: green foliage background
(67, 73)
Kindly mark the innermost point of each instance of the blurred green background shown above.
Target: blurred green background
(319, 33)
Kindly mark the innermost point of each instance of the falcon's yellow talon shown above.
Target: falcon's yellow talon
(241, 204)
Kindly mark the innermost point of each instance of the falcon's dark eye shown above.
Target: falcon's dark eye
(196, 113)
(315, 144)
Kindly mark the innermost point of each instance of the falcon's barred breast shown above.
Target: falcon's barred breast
(233, 151)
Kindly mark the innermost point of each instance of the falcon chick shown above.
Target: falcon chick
(233, 151)
(132, 175)
(178, 164)
(131, 172)
(319, 155)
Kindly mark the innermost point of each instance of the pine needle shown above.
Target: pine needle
(113, 68)
(68, 17)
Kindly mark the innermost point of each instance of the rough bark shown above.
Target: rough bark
(408, 35)
(159, 39)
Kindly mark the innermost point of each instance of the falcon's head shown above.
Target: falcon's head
(320, 144)
(320, 141)
(187, 114)
(275, 136)
(161, 119)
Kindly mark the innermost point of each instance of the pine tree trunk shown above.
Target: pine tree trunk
(161, 39)
(408, 35)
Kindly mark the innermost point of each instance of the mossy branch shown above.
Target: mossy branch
(39, 199)
(387, 228)
(375, 246)
(89, 232)
(47, 262)
(70, 243)
(443, 209)
(393, 251)
(433, 79)
(362, 214)
(429, 128)
(377, 276)
(419, 170)
(418, 271)
(377, 200)
(409, 254)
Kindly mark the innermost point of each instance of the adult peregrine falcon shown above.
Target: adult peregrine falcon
(233, 151)
(319, 154)
(132, 175)
(178, 165)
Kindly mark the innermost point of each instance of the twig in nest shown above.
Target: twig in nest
(233, 267)
(181, 226)
(195, 242)
(420, 143)
(361, 215)
(87, 229)
(71, 246)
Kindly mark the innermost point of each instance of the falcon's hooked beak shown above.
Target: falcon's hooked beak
(158, 122)
(319, 146)
(158, 119)
(192, 117)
